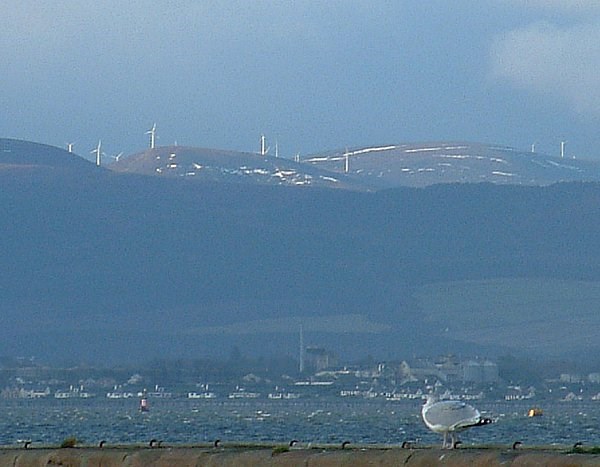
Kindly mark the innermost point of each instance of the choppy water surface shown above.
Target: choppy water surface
(362, 421)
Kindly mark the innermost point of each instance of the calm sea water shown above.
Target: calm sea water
(183, 421)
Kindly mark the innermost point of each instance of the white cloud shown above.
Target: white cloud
(548, 59)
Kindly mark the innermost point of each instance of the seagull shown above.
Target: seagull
(450, 417)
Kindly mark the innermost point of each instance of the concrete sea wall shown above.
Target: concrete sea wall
(316, 457)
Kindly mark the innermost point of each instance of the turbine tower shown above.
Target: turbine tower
(98, 152)
(533, 147)
(70, 147)
(346, 162)
(301, 349)
(562, 149)
(263, 148)
(152, 133)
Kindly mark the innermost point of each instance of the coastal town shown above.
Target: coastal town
(323, 377)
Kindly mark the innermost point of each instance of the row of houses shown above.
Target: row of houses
(446, 369)
(450, 369)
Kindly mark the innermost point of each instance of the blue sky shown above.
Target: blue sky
(313, 75)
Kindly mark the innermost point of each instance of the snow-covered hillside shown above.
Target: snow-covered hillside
(420, 165)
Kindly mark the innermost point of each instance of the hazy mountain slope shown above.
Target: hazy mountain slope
(201, 164)
(150, 264)
(108, 266)
(18, 154)
(365, 168)
(425, 164)
(537, 316)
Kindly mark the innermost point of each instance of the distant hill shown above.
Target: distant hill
(111, 266)
(213, 165)
(419, 165)
(18, 154)
(365, 168)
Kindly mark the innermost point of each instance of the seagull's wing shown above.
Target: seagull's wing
(451, 416)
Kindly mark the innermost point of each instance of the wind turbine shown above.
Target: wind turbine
(117, 157)
(276, 149)
(98, 152)
(152, 133)
(70, 147)
(532, 147)
(562, 149)
(263, 149)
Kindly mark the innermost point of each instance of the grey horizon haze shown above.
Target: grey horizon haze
(312, 75)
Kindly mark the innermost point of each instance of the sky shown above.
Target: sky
(311, 75)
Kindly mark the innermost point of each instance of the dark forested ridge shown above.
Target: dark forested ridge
(113, 266)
